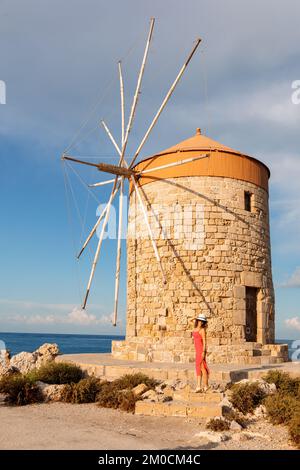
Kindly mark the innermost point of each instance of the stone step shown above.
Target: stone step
(192, 397)
(178, 408)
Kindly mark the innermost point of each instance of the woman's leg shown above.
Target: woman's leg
(204, 375)
(198, 374)
(199, 377)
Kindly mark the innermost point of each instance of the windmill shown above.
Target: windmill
(125, 171)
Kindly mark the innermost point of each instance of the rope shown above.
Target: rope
(83, 182)
(77, 209)
(100, 98)
(70, 223)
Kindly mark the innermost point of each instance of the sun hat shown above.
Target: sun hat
(201, 317)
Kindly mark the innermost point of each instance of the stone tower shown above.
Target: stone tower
(210, 219)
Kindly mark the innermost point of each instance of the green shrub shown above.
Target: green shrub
(129, 381)
(294, 429)
(112, 397)
(284, 383)
(58, 373)
(84, 391)
(246, 397)
(118, 393)
(281, 408)
(21, 390)
(232, 415)
(218, 424)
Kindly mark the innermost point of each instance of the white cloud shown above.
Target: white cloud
(293, 323)
(82, 317)
(35, 313)
(28, 305)
(294, 279)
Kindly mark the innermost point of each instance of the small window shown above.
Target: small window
(248, 201)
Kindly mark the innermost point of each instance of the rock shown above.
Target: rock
(3, 399)
(234, 426)
(165, 399)
(160, 388)
(268, 389)
(150, 395)
(7, 370)
(168, 391)
(51, 392)
(225, 403)
(4, 357)
(24, 362)
(260, 412)
(239, 437)
(213, 436)
(46, 353)
(139, 389)
(253, 435)
(41, 385)
(171, 383)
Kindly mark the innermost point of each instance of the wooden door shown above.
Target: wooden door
(251, 314)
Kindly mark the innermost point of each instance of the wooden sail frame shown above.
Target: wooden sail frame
(124, 171)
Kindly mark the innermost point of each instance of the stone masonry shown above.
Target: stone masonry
(212, 250)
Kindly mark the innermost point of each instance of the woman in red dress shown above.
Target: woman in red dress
(199, 335)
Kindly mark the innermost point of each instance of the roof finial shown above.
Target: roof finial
(198, 131)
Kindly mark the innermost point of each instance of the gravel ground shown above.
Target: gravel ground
(66, 426)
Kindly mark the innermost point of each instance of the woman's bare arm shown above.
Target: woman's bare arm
(203, 334)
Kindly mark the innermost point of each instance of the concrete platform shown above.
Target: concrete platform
(105, 366)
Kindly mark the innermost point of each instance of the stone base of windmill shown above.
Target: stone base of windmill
(182, 351)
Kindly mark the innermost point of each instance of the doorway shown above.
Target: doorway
(251, 314)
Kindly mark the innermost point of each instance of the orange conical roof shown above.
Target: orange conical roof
(198, 142)
(218, 160)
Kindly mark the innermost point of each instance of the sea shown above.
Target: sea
(68, 344)
(74, 344)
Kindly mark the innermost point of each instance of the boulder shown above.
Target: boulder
(240, 437)
(150, 395)
(212, 436)
(7, 370)
(139, 389)
(234, 426)
(46, 353)
(3, 398)
(225, 403)
(4, 357)
(168, 391)
(24, 362)
(51, 392)
(260, 412)
(268, 389)
(165, 398)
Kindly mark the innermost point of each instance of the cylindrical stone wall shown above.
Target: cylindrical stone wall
(212, 250)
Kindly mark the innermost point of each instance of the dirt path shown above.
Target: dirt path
(65, 426)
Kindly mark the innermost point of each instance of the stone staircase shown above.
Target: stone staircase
(184, 403)
(249, 353)
(246, 353)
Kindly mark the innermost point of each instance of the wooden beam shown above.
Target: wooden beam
(166, 99)
(106, 167)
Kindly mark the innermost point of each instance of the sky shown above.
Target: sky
(58, 60)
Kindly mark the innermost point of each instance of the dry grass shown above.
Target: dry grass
(84, 391)
(246, 397)
(57, 373)
(284, 406)
(118, 393)
(218, 424)
(20, 390)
